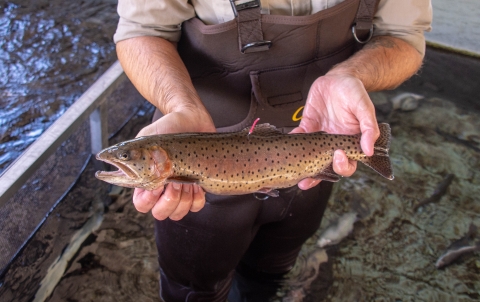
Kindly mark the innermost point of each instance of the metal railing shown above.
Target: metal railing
(90, 104)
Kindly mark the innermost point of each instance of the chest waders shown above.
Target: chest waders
(255, 66)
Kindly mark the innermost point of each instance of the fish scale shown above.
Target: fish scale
(237, 163)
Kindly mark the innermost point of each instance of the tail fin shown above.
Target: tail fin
(380, 161)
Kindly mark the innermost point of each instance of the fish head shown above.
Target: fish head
(140, 165)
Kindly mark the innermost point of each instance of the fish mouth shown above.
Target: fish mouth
(124, 171)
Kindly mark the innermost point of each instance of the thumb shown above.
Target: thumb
(148, 130)
(365, 114)
(367, 141)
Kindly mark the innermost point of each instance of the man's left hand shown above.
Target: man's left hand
(339, 104)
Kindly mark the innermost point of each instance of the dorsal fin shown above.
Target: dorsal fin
(263, 130)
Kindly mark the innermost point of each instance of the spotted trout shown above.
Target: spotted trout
(237, 163)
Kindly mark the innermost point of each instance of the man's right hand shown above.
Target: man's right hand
(157, 71)
(175, 200)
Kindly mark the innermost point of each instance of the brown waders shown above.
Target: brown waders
(254, 66)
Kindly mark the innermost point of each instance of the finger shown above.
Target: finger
(185, 203)
(148, 130)
(368, 126)
(368, 139)
(198, 199)
(342, 165)
(308, 183)
(168, 201)
(297, 130)
(144, 200)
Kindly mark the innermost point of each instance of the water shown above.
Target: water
(50, 53)
(391, 252)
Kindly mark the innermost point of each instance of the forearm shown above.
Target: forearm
(157, 71)
(384, 63)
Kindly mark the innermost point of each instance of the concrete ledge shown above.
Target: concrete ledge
(456, 26)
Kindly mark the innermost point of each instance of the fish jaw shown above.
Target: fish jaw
(137, 167)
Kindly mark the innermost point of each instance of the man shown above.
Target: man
(243, 61)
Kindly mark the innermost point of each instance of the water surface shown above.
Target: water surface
(50, 53)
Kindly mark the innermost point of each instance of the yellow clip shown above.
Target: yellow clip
(295, 116)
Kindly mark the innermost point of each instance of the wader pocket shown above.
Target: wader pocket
(281, 92)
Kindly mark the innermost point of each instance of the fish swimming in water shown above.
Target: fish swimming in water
(438, 193)
(236, 163)
(459, 248)
(338, 230)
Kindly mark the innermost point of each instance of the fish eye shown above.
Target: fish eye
(123, 156)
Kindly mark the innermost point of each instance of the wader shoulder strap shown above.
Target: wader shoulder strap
(250, 35)
(363, 26)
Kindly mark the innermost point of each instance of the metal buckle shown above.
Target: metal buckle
(243, 5)
(354, 31)
(256, 44)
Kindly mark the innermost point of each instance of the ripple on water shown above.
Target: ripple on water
(48, 56)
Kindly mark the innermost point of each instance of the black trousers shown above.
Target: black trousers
(198, 255)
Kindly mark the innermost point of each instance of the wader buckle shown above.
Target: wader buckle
(250, 41)
(354, 32)
(256, 44)
(243, 5)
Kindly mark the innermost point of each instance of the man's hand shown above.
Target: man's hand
(157, 71)
(175, 200)
(339, 104)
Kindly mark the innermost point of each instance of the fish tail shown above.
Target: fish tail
(380, 161)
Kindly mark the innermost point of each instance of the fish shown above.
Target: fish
(406, 101)
(459, 248)
(338, 230)
(237, 163)
(438, 193)
(456, 140)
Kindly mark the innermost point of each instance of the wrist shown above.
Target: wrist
(340, 70)
(195, 119)
(346, 71)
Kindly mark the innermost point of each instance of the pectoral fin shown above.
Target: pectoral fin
(183, 180)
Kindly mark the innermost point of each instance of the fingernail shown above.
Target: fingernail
(339, 159)
(177, 186)
(195, 189)
(186, 188)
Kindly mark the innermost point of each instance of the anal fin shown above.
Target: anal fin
(327, 174)
(327, 177)
(269, 191)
